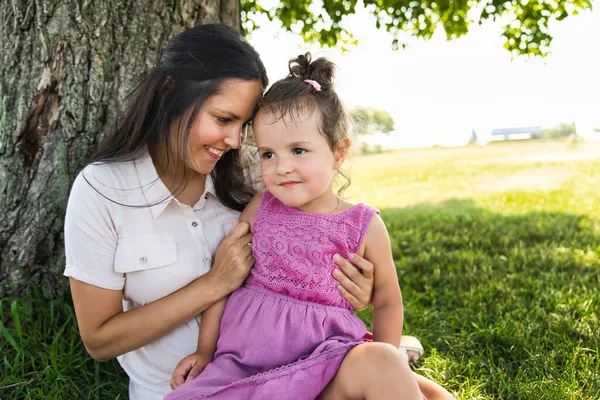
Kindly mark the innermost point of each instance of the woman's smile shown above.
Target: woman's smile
(214, 152)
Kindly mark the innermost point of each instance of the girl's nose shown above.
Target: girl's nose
(284, 166)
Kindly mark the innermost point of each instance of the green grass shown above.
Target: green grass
(498, 256)
(43, 358)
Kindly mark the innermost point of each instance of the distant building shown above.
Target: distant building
(524, 133)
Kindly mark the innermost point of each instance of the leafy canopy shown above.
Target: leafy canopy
(526, 28)
(370, 120)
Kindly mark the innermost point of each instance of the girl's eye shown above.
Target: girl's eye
(223, 121)
(298, 151)
(267, 155)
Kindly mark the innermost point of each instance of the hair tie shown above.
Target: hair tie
(314, 84)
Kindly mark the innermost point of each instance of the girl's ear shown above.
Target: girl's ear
(341, 152)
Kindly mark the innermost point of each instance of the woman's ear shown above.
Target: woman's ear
(341, 152)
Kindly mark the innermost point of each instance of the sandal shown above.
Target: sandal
(413, 348)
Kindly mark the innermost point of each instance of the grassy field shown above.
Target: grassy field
(498, 256)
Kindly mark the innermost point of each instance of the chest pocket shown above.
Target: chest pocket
(142, 253)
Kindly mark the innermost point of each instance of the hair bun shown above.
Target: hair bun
(321, 70)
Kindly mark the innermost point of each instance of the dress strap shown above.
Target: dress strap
(358, 219)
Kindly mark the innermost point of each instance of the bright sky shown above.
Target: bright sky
(438, 90)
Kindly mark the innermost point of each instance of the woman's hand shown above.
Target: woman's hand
(233, 258)
(190, 367)
(356, 281)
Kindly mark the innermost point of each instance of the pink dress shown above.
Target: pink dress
(285, 332)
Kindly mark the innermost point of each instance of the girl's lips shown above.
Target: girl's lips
(288, 185)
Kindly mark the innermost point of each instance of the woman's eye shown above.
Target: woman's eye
(267, 155)
(298, 151)
(223, 121)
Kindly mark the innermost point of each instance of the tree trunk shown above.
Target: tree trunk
(66, 66)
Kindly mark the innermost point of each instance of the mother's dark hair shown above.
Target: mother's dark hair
(193, 66)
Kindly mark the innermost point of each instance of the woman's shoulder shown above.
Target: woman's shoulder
(108, 173)
(105, 180)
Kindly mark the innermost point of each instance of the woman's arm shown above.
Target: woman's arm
(388, 312)
(108, 332)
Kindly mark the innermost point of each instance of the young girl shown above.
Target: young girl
(288, 333)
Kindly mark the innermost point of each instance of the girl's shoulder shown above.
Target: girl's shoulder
(360, 214)
(357, 207)
(376, 232)
(249, 213)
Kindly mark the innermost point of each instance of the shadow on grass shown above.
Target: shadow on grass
(509, 303)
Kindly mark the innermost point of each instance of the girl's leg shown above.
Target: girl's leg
(431, 390)
(373, 371)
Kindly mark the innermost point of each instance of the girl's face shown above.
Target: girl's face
(296, 162)
(220, 124)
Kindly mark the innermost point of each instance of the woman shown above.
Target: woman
(150, 233)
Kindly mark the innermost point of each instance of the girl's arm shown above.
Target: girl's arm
(192, 365)
(250, 211)
(209, 328)
(388, 312)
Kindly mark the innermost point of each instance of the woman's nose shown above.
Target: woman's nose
(234, 137)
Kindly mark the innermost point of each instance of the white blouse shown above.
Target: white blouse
(125, 231)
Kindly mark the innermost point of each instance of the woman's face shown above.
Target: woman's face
(218, 127)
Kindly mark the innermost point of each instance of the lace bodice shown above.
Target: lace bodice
(293, 249)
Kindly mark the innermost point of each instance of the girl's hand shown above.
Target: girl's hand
(233, 259)
(356, 281)
(190, 367)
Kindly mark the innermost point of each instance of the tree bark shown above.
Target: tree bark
(65, 67)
